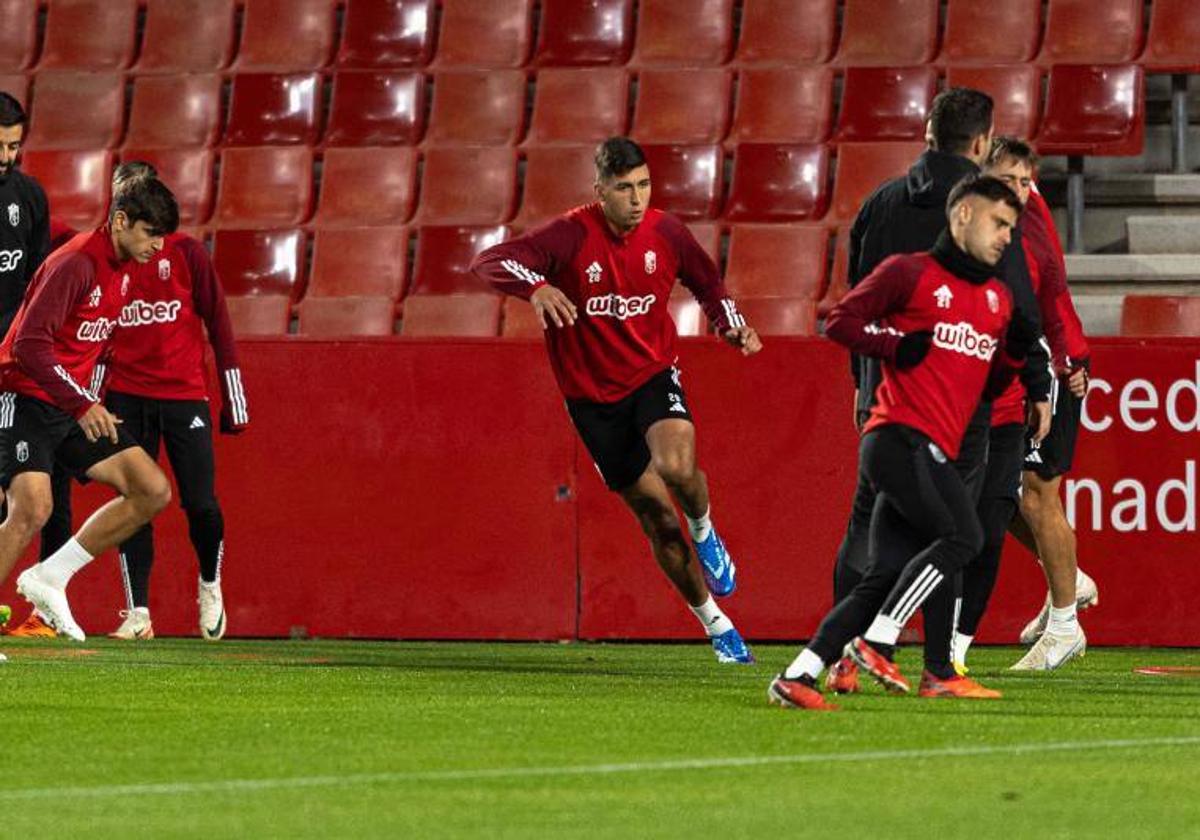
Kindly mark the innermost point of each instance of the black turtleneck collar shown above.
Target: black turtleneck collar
(958, 262)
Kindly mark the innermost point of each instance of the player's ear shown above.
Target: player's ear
(598, 189)
(120, 221)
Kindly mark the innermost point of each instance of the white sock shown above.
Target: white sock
(701, 527)
(712, 619)
(58, 568)
(960, 646)
(144, 612)
(1063, 620)
(214, 585)
(807, 664)
(884, 630)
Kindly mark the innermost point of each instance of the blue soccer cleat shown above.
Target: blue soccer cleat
(731, 649)
(717, 565)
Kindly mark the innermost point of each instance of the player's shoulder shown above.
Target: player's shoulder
(914, 264)
(184, 245)
(27, 186)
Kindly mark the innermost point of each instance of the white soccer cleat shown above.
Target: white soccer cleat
(50, 601)
(212, 611)
(1052, 652)
(1087, 594)
(135, 627)
(3, 658)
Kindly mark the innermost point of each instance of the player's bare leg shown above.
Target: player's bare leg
(29, 502)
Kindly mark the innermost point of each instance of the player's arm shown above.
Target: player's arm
(209, 300)
(39, 239)
(699, 274)
(525, 266)
(885, 291)
(1012, 269)
(1010, 357)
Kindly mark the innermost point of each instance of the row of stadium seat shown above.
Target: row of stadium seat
(73, 110)
(200, 35)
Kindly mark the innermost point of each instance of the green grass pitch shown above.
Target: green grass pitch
(177, 738)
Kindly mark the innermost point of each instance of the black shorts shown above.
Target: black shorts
(35, 435)
(615, 433)
(1054, 455)
(1006, 451)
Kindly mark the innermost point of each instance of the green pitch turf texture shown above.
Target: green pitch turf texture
(178, 738)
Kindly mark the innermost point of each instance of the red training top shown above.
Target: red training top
(913, 293)
(620, 286)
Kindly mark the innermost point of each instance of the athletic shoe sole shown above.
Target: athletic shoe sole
(40, 594)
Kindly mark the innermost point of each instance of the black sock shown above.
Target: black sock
(206, 527)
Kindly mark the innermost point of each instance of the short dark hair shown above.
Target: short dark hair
(616, 156)
(132, 170)
(958, 116)
(1006, 146)
(147, 200)
(985, 186)
(11, 112)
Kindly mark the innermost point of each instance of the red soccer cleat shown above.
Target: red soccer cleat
(884, 670)
(962, 688)
(842, 678)
(794, 694)
(32, 628)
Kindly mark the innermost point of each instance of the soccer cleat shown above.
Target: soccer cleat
(884, 670)
(50, 601)
(135, 627)
(960, 668)
(1053, 651)
(32, 627)
(957, 686)
(212, 611)
(796, 694)
(3, 658)
(716, 564)
(842, 678)
(1087, 594)
(731, 649)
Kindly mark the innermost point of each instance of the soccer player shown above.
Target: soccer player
(599, 278)
(155, 383)
(63, 326)
(906, 215)
(938, 322)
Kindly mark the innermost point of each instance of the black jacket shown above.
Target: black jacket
(24, 239)
(906, 215)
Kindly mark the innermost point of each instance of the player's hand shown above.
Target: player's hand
(97, 422)
(912, 349)
(745, 339)
(1077, 382)
(553, 307)
(1039, 420)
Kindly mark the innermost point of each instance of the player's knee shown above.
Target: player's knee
(28, 516)
(153, 493)
(676, 467)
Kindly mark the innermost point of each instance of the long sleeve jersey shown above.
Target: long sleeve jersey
(620, 286)
(24, 240)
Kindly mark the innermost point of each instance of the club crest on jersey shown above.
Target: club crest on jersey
(14, 214)
(22, 451)
(593, 272)
(94, 298)
(993, 300)
(164, 269)
(651, 262)
(944, 296)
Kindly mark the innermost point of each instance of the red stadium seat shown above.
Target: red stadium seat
(268, 109)
(89, 34)
(260, 262)
(686, 179)
(376, 108)
(76, 182)
(176, 110)
(579, 105)
(885, 103)
(284, 35)
(682, 106)
(485, 107)
(777, 261)
(888, 33)
(16, 85)
(778, 182)
(494, 34)
(986, 32)
(1173, 40)
(363, 261)
(1155, 315)
(1087, 32)
(798, 32)
(18, 34)
(451, 315)
(1094, 111)
(780, 315)
(557, 178)
(189, 174)
(398, 33)
(708, 235)
(688, 316)
(1015, 89)
(444, 256)
(468, 185)
(698, 34)
(585, 32)
(260, 315)
(345, 316)
(861, 168)
(187, 36)
(77, 110)
(520, 321)
(367, 186)
(265, 187)
(783, 105)
(838, 283)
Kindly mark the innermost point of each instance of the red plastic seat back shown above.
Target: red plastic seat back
(360, 261)
(986, 32)
(1016, 92)
(89, 34)
(189, 174)
(886, 103)
(579, 105)
(376, 108)
(18, 34)
(682, 105)
(783, 105)
(444, 256)
(347, 316)
(468, 185)
(397, 33)
(1173, 40)
(697, 34)
(76, 182)
(476, 315)
(274, 109)
(265, 187)
(1088, 32)
(1094, 110)
(686, 180)
(260, 262)
(77, 110)
(261, 315)
(187, 36)
(495, 34)
(888, 33)
(485, 107)
(861, 168)
(283, 35)
(778, 182)
(367, 186)
(175, 110)
(777, 261)
(557, 178)
(780, 315)
(1155, 315)
(585, 32)
(796, 32)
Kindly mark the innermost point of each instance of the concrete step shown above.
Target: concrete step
(1100, 313)
(1163, 234)
(1124, 188)
(1177, 274)
(1155, 156)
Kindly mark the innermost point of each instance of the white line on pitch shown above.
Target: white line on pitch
(353, 779)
